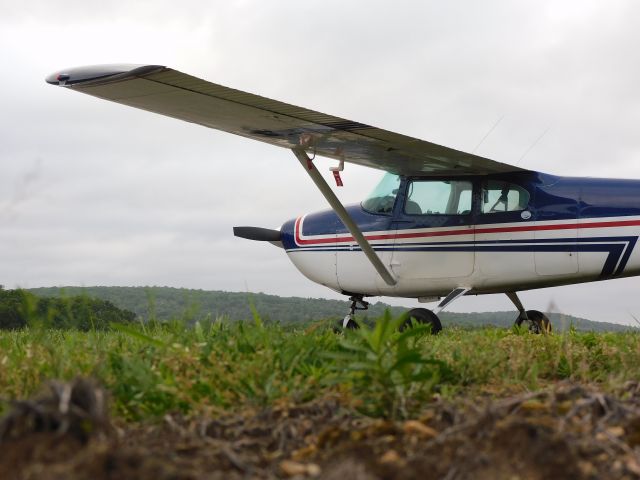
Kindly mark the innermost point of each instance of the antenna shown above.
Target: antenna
(526, 152)
(487, 134)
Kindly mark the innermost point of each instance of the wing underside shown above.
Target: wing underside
(175, 94)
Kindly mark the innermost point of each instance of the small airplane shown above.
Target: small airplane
(441, 223)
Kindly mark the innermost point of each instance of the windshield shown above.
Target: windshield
(383, 197)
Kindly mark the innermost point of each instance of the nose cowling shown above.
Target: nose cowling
(287, 233)
(316, 261)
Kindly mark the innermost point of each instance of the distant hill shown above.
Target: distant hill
(20, 308)
(165, 303)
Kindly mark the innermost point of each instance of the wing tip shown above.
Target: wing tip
(91, 74)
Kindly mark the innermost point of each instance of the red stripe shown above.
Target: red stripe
(390, 236)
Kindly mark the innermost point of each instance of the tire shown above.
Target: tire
(425, 317)
(540, 322)
(351, 325)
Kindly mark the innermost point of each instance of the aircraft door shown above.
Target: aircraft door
(434, 236)
(504, 233)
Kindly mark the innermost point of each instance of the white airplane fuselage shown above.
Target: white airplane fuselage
(570, 230)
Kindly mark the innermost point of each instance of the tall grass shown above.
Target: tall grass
(156, 368)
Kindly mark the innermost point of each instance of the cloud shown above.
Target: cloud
(96, 193)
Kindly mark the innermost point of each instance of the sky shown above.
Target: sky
(94, 193)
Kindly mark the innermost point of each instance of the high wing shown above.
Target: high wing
(169, 92)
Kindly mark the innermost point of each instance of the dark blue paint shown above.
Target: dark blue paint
(328, 222)
(287, 231)
(609, 198)
(551, 198)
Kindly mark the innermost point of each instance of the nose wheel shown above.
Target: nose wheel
(357, 303)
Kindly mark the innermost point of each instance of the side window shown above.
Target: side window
(383, 197)
(498, 196)
(438, 197)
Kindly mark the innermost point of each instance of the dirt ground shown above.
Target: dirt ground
(566, 431)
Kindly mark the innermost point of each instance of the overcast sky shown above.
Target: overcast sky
(93, 193)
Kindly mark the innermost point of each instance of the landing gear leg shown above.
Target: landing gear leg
(538, 321)
(357, 303)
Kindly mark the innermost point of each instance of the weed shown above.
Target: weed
(390, 372)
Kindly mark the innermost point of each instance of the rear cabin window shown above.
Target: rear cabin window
(498, 196)
(438, 197)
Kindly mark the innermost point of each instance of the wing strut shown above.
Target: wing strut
(342, 213)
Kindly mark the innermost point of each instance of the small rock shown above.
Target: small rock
(293, 469)
(304, 452)
(633, 466)
(390, 457)
(313, 470)
(534, 406)
(564, 407)
(414, 427)
(615, 431)
(587, 468)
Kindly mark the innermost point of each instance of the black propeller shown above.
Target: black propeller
(257, 233)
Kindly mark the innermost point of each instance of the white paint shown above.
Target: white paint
(494, 272)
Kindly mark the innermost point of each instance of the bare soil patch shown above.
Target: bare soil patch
(565, 431)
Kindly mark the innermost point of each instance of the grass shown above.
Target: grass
(154, 369)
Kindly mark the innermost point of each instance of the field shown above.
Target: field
(256, 400)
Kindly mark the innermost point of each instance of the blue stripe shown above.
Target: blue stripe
(618, 248)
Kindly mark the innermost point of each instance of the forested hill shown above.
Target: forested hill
(164, 303)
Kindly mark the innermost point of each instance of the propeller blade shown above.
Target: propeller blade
(257, 233)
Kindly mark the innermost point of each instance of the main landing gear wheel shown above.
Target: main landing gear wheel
(538, 322)
(425, 317)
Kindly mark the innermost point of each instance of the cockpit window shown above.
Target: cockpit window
(438, 197)
(499, 196)
(383, 197)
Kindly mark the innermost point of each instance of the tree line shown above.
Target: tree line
(20, 308)
(165, 304)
